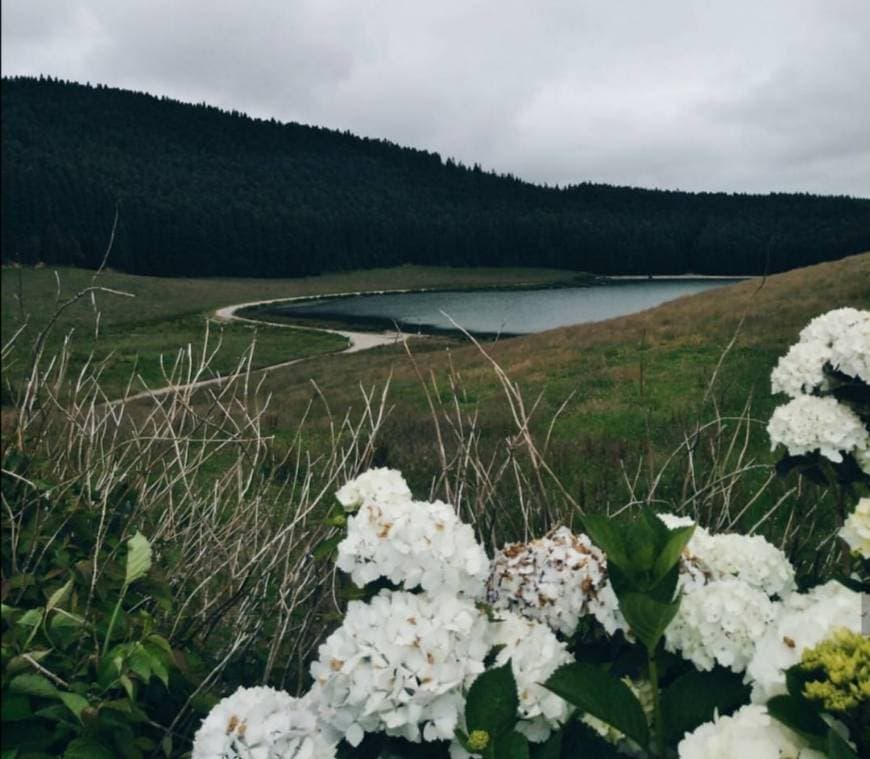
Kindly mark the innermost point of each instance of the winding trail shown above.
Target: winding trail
(357, 341)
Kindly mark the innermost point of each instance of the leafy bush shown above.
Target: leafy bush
(87, 669)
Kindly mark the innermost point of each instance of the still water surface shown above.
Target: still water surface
(501, 311)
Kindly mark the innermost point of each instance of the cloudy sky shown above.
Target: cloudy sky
(739, 95)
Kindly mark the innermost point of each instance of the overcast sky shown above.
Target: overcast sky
(739, 95)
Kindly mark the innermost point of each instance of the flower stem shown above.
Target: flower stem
(658, 747)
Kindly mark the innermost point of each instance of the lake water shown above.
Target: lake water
(500, 311)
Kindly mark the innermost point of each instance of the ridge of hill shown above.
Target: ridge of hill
(202, 192)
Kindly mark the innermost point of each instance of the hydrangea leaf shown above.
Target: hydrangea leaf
(603, 696)
(493, 701)
(649, 618)
(801, 717)
(672, 550)
(838, 748)
(512, 745)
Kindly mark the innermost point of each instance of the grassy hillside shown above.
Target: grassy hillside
(167, 314)
(632, 386)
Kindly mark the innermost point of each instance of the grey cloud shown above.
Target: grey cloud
(740, 96)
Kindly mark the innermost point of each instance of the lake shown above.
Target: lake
(510, 312)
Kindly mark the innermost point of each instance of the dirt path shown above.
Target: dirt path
(357, 341)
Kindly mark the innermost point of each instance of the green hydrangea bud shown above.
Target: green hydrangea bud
(478, 740)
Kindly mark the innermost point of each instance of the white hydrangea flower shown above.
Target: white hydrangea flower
(413, 544)
(810, 423)
(862, 456)
(801, 370)
(264, 723)
(720, 624)
(399, 665)
(750, 733)
(850, 351)
(856, 530)
(827, 328)
(535, 653)
(802, 621)
(555, 580)
(379, 486)
(750, 558)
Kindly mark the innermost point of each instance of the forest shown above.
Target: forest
(204, 192)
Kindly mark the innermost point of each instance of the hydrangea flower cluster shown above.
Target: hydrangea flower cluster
(382, 486)
(263, 723)
(802, 621)
(813, 421)
(398, 664)
(401, 664)
(749, 558)
(720, 624)
(810, 423)
(413, 544)
(840, 338)
(749, 732)
(856, 530)
(535, 653)
(843, 661)
(555, 580)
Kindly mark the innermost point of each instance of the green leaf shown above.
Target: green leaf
(14, 707)
(19, 664)
(512, 745)
(87, 748)
(8, 612)
(672, 550)
(695, 697)
(33, 685)
(607, 534)
(602, 695)
(160, 642)
(158, 668)
(127, 685)
(74, 702)
(31, 618)
(59, 596)
(492, 702)
(798, 715)
(647, 617)
(140, 663)
(138, 558)
(549, 749)
(326, 549)
(838, 748)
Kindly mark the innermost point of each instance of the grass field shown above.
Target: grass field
(166, 315)
(626, 391)
(630, 389)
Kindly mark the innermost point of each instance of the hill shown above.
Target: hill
(206, 192)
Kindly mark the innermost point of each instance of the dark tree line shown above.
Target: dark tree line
(208, 192)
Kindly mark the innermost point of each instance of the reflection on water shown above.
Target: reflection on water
(502, 311)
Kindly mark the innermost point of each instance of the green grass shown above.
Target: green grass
(612, 416)
(631, 386)
(167, 315)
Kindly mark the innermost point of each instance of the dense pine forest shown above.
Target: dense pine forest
(204, 192)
